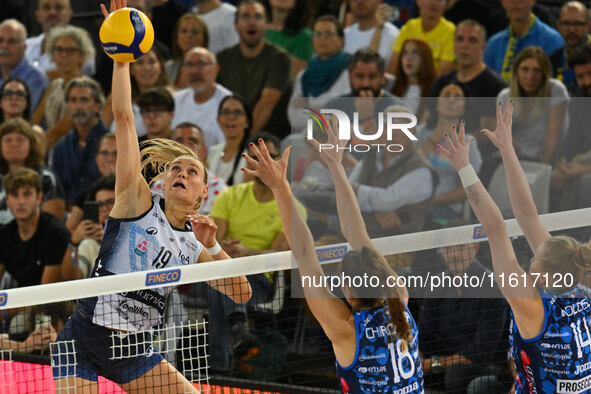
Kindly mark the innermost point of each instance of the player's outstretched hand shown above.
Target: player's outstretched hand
(457, 150)
(501, 137)
(333, 156)
(271, 172)
(115, 5)
(204, 229)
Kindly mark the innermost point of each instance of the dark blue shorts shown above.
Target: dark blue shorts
(86, 350)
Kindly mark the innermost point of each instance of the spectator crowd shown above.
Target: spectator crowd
(221, 74)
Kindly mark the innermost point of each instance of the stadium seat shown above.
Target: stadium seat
(538, 177)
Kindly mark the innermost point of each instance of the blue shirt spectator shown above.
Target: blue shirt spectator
(499, 54)
(74, 164)
(13, 62)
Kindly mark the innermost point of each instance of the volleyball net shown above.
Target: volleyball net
(272, 343)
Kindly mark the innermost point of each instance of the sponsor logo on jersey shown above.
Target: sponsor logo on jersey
(557, 356)
(3, 299)
(373, 369)
(331, 253)
(411, 388)
(555, 346)
(572, 309)
(184, 259)
(479, 233)
(529, 373)
(573, 386)
(141, 247)
(556, 334)
(148, 297)
(163, 277)
(583, 367)
(378, 383)
(123, 305)
(366, 357)
(149, 351)
(152, 230)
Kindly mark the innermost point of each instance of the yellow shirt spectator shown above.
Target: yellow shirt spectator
(256, 224)
(440, 39)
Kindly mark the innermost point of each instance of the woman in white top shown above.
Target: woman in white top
(540, 119)
(224, 159)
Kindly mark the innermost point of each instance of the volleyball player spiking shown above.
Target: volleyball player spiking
(551, 342)
(375, 343)
(101, 325)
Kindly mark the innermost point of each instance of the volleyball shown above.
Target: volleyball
(126, 35)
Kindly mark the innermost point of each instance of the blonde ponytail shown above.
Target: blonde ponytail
(582, 257)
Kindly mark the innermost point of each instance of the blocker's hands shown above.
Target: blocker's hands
(271, 172)
(501, 137)
(331, 157)
(458, 147)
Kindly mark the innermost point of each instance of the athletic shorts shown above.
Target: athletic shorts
(86, 350)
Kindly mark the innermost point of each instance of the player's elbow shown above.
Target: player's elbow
(122, 115)
(244, 295)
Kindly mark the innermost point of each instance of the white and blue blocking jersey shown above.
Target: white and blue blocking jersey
(381, 366)
(139, 244)
(559, 359)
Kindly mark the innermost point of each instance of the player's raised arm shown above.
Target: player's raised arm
(132, 194)
(329, 310)
(522, 201)
(350, 218)
(489, 215)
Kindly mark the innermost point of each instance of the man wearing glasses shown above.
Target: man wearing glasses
(574, 27)
(199, 102)
(13, 62)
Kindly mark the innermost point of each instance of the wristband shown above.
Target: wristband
(214, 249)
(468, 176)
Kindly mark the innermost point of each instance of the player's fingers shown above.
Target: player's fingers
(255, 150)
(450, 145)
(104, 10)
(454, 134)
(263, 148)
(248, 171)
(315, 144)
(250, 160)
(462, 135)
(443, 150)
(285, 155)
(508, 110)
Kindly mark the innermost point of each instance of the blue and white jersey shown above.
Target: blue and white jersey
(559, 359)
(381, 366)
(139, 244)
